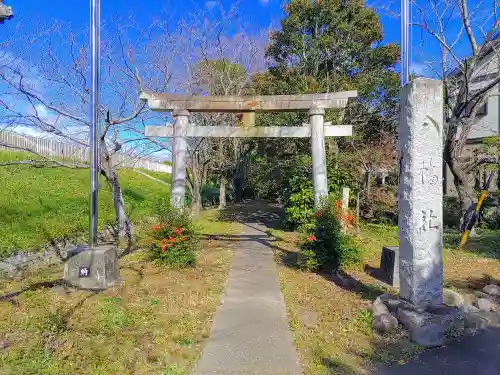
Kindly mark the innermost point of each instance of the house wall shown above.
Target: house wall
(481, 175)
(486, 126)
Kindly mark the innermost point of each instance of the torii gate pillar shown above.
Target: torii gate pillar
(320, 180)
(179, 158)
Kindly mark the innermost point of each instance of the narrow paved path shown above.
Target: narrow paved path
(250, 334)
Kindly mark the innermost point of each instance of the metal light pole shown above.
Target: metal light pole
(405, 42)
(95, 46)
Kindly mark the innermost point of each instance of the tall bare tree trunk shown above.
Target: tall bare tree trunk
(464, 182)
(123, 221)
(222, 192)
(368, 178)
(195, 185)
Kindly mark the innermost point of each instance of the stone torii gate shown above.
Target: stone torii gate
(317, 130)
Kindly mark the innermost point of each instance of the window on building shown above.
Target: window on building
(482, 111)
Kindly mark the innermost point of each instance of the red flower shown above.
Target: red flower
(318, 214)
(178, 231)
(311, 238)
(163, 249)
(156, 227)
(183, 238)
(338, 204)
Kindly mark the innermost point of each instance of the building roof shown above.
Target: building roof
(485, 50)
(5, 12)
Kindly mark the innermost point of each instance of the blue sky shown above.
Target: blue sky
(260, 13)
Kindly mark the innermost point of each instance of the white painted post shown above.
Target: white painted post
(179, 155)
(320, 181)
(420, 193)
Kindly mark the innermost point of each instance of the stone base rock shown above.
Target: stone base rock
(452, 298)
(492, 290)
(428, 326)
(473, 321)
(379, 307)
(92, 269)
(429, 336)
(385, 323)
(484, 304)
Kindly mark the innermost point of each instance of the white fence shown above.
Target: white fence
(55, 148)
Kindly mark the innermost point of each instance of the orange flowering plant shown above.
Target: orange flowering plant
(175, 237)
(328, 249)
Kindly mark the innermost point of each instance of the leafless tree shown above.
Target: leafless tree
(466, 34)
(45, 89)
(217, 64)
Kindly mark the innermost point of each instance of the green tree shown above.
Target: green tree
(329, 46)
(335, 45)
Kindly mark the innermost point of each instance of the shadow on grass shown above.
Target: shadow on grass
(472, 283)
(485, 244)
(337, 367)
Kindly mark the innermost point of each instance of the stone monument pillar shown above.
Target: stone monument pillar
(179, 157)
(420, 193)
(320, 181)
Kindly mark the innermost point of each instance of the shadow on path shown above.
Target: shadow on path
(470, 355)
(258, 212)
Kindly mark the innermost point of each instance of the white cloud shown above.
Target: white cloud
(422, 69)
(31, 131)
(264, 2)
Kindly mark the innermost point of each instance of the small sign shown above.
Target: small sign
(84, 272)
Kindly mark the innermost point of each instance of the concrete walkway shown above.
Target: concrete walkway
(250, 334)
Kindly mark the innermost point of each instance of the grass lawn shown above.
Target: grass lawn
(40, 204)
(154, 323)
(332, 324)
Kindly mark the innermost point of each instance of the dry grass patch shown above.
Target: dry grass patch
(331, 324)
(154, 323)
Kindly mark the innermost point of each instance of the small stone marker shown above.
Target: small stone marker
(93, 269)
(389, 265)
(420, 192)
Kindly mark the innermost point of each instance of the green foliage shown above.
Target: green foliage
(335, 45)
(451, 212)
(328, 248)
(175, 238)
(174, 370)
(298, 196)
(38, 205)
(363, 321)
(112, 318)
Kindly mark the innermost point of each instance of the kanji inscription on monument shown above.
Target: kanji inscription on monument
(428, 173)
(420, 193)
(429, 220)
